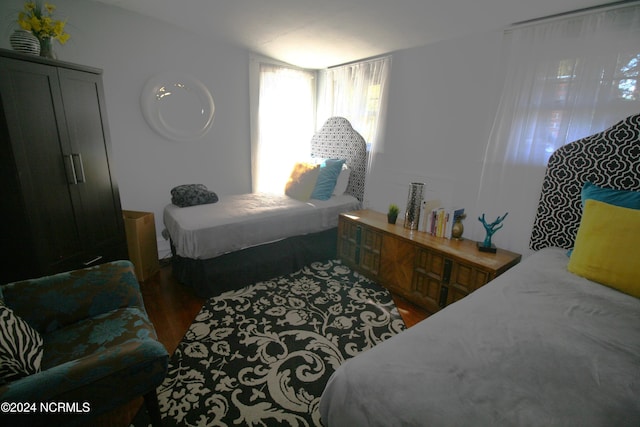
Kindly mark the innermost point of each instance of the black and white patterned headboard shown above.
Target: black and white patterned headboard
(608, 159)
(337, 139)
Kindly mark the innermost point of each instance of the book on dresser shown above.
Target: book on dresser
(425, 212)
(439, 221)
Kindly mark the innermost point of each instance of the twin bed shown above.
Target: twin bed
(241, 239)
(541, 344)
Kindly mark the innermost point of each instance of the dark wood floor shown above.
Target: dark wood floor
(172, 307)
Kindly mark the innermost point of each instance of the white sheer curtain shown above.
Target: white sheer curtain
(358, 92)
(285, 124)
(565, 79)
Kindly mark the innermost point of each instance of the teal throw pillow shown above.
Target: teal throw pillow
(623, 198)
(327, 178)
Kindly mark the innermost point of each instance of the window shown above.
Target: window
(566, 78)
(285, 124)
(284, 106)
(357, 92)
(616, 87)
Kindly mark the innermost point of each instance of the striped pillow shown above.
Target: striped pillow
(21, 346)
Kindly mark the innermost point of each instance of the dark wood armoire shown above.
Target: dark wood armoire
(60, 202)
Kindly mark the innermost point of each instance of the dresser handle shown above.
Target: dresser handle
(444, 292)
(446, 276)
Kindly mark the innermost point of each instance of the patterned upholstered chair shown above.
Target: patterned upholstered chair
(99, 349)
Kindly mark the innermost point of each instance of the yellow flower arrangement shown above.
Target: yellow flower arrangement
(38, 19)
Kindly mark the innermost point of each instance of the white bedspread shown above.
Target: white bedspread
(240, 221)
(538, 346)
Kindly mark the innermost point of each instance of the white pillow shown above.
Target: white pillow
(342, 181)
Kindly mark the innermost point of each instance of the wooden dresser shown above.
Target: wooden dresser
(429, 271)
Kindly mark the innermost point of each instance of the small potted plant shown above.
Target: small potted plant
(392, 214)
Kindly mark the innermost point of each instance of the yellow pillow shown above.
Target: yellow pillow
(607, 247)
(302, 181)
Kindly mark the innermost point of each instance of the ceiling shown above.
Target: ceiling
(322, 33)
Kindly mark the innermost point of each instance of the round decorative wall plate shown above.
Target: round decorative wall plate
(177, 106)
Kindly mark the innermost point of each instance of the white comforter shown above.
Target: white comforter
(538, 346)
(245, 220)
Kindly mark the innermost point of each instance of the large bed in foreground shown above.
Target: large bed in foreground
(242, 239)
(554, 341)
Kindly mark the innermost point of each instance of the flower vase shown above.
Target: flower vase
(414, 203)
(24, 41)
(46, 48)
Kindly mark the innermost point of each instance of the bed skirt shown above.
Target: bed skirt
(235, 270)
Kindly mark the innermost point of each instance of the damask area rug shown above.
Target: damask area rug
(261, 356)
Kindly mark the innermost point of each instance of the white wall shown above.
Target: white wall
(130, 49)
(442, 102)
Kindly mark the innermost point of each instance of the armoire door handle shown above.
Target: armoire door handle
(79, 167)
(71, 169)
